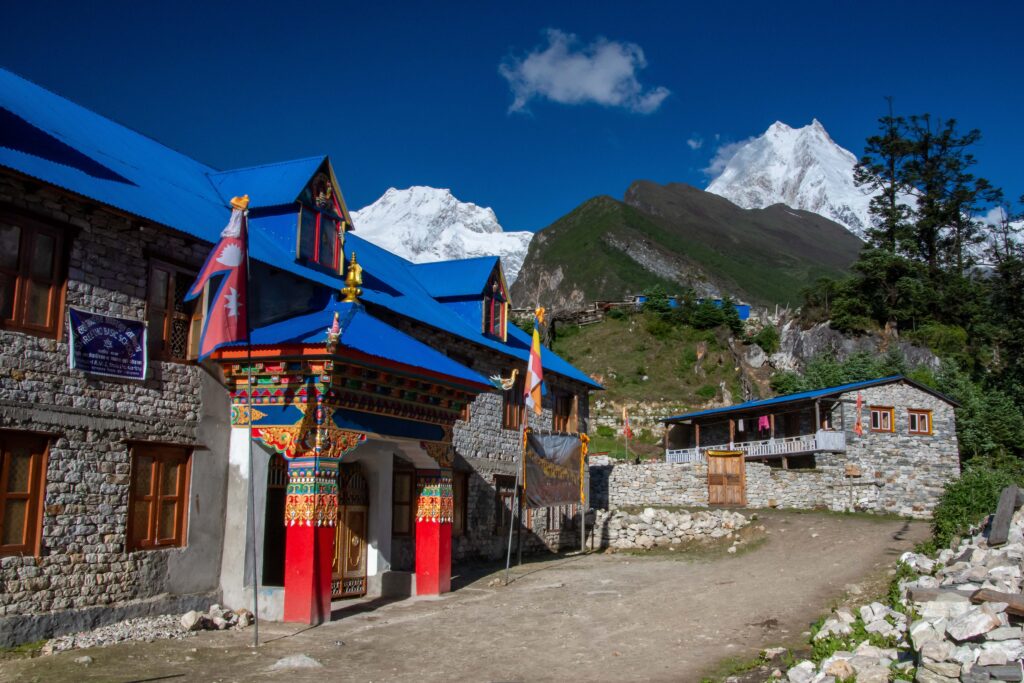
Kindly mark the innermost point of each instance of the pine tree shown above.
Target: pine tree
(880, 171)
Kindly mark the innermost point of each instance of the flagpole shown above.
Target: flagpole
(252, 484)
(515, 495)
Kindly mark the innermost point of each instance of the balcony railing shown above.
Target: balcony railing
(790, 445)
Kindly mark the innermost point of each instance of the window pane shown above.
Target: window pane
(400, 519)
(14, 522)
(168, 512)
(37, 305)
(140, 521)
(307, 234)
(6, 297)
(158, 287)
(143, 475)
(44, 248)
(10, 236)
(328, 240)
(18, 472)
(169, 482)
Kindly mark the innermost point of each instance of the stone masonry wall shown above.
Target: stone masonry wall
(486, 450)
(896, 473)
(92, 421)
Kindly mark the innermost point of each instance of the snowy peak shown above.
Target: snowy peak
(800, 167)
(424, 224)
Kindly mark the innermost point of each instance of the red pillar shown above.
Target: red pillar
(311, 511)
(434, 516)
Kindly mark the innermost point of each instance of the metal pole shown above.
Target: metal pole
(515, 494)
(248, 403)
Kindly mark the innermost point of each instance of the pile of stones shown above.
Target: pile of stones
(148, 629)
(942, 628)
(656, 528)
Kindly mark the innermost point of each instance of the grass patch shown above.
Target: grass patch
(23, 651)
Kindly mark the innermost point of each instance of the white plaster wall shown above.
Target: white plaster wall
(376, 457)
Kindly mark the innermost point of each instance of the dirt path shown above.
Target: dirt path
(596, 618)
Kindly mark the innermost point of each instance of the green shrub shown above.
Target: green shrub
(605, 431)
(616, 314)
(973, 496)
(707, 392)
(767, 339)
(658, 327)
(944, 340)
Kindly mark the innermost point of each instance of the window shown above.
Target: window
(564, 413)
(504, 499)
(31, 275)
(495, 313)
(22, 479)
(319, 238)
(174, 324)
(562, 517)
(919, 421)
(402, 498)
(460, 498)
(158, 504)
(513, 404)
(882, 419)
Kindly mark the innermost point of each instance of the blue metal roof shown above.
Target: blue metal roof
(47, 137)
(269, 184)
(792, 398)
(462, 277)
(362, 332)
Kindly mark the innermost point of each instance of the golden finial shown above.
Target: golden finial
(353, 278)
(240, 203)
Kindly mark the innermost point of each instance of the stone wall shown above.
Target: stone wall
(92, 422)
(661, 528)
(896, 473)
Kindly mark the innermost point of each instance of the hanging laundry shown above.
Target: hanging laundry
(739, 425)
(763, 423)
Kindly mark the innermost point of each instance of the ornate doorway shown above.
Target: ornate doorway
(348, 569)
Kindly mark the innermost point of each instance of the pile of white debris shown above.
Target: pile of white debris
(959, 618)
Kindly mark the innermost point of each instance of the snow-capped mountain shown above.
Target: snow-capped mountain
(425, 224)
(802, 168)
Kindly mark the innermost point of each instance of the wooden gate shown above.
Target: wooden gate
(348, 569)
(727, 478)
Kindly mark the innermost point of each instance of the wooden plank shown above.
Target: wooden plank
(1014, 601)
(1000, 530)
(930, 594)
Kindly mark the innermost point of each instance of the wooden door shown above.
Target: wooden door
(727, 478)
(348, 568)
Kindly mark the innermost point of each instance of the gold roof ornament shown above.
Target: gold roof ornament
(353, 278)
(240, 203)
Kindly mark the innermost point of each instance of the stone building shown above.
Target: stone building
(381, 450)
(887, 445)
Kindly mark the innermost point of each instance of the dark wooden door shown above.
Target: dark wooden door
(726, 478)
(348, 569)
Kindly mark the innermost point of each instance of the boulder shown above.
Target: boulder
(801, 673)
(976, 622)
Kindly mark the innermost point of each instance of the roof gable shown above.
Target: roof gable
(458, 278)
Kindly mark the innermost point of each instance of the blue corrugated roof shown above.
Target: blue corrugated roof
(47, 137)
(269, 184)
(461, 277)
(362, 332)
(790, 398)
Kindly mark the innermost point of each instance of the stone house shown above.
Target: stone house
(379, 445)
(887, 445)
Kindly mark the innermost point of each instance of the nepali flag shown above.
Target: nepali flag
(534, 370)
(225, 320)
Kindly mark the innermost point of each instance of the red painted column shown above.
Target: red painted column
(311, 511)
(434, 516)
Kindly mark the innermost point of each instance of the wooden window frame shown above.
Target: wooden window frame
(161, 456)
(882, 410)
(194, 311)
(564, 413)
(320, 217)
(32, 536)
(22, 278)
(504, 487)
(918, 413)
(410, 513)
(513, 404)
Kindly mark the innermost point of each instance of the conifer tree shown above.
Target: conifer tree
(881, 170)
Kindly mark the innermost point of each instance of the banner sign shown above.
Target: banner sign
(107, 346)
(554, 469)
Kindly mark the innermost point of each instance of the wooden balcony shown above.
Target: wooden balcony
(827, 441)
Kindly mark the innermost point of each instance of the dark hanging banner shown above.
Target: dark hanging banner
(107, 346)
(553, 470)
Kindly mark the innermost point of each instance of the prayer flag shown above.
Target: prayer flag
(626, 429)
(225, 319)
(535, 370)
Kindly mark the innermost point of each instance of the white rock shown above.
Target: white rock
(801, 673)
(937, 650)
(1005, 633)
(192, 621)
(947, 669)
(974, 623)
(296, 662)
(84, 659)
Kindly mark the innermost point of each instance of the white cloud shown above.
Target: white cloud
(603, 72)
(696, 142)
(723, 155)
(995, 216)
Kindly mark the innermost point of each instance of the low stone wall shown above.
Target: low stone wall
(651, 528)
(830, 486)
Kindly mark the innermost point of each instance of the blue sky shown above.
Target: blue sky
(528, 107)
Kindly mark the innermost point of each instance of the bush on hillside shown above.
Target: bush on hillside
(973, 496)
(767, 338)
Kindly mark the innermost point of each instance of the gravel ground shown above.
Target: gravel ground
(144, 629)
(654, 617)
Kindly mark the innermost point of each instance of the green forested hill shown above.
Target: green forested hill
(678, 236)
